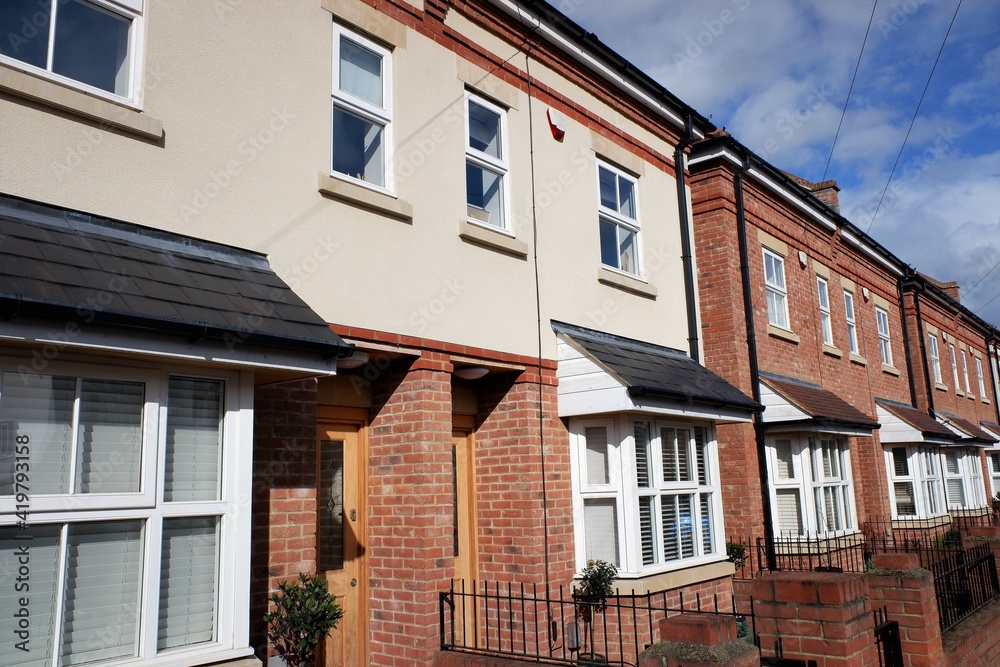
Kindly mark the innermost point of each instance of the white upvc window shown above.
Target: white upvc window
(486, 163)
(122, 483)
(93, 45)
(963, 472)
(852, 329)
(980, 379)
(618, 213)
(362, 110)
(775, 289)
(884, 343)
(812, 491)
(954, 367)
(932, 344)
(994, 458)
(914, 481)
(965, 372)
(647, 494)
(824, 310)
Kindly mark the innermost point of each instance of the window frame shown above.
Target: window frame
(970, 472)
(965, 372)
(954, 366)
(620, 220)
(624, 487)
(924, 474)
(807, 451)
(778, 291)
(884, 339)
(993, 461)
(935, 355)
(364, 109)
(133, 11)
(149, 507)
(499, 166)
(980, 378)
(826, 324)
(850, 314)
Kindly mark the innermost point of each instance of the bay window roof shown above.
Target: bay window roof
(796, 402)
(905, 423)
(969, 434)
(59, 264)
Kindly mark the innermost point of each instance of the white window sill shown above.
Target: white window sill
(783, 334)
(940, 386)
(960, 393)
(832, 351)
(858, 359)
(971, 397)
(985, 400)
(681, 577)
(626, 283)
(494, 240)
(366, 198)
(890, 370)
(77, 102)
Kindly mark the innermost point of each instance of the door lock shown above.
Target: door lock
(354, 515)
(354, 582)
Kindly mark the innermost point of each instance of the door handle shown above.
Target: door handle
(354, 515)
(354, 582)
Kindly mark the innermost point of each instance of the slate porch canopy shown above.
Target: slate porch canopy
(84, 282)
(969, 434)
(902, 423)
(798, 405)
(601, 372)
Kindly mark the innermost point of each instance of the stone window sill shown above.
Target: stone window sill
(783, 334)
(626, 283)
(493, 240)
(940, 387)
(890, 370)
(358, 195)
(79, 103)
(858, 359)
(832, 351)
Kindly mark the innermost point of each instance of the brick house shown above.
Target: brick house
(255, 271)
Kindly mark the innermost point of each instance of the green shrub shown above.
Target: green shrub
(304, 613)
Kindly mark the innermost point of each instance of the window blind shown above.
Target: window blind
(643, 476)
(109, 439)
(41, 608)
(899, 462)
(905, 504)
(707, 534)
(601, 528)
(789, 512)
(597, 454)
(41, 408)
(194, 433)
(956, 493)
(783, 459)
(102, 590)
(701, 453)
(189, 574)
(646, 530)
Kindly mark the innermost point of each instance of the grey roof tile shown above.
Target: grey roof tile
(817, 402)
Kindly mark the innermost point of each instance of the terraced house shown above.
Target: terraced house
(399, 292)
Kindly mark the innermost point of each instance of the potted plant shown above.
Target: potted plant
(591, 597)
(303, 615)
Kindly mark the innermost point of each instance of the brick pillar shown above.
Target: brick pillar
(700, 640)
(907, 591)
(985, 535)
(817, 615)
(410, 509)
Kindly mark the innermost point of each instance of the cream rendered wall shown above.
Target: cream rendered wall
(243, 91)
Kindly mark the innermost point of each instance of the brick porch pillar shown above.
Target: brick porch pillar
(907, 591)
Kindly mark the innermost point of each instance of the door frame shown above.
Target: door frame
(329, 417)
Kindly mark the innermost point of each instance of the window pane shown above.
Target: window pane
(360, 71)
(91, 46)
(484, 194)
(357, 147)
(609, 188)
(824, 294)
(686, 516)
(789, 512)
(951, 463)
(683, 456)
(626, 251)
(932, 495)
(194, 432)
(101, 598)
(609, 243)
(24, 31)
(330, 531)
(776, 309)
(189, 573)
(995, 461)
(597, 455)
(849, 305)
(109, 442)
(671, 528)
(707, 534)
(701, 449)
(484, 130)
(41, 608)
(40, 409)
(643, 474)
(601, 528)
(626, 197)
(900, 464)
(905, 503)
(956, 493)
(783, 457)
(827, 330)
(646, 530)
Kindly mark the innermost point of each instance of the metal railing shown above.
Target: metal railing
(964, 581)
(530, 624)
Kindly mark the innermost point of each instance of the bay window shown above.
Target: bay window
(647, 493)
(963, 473)
(914, 481)
(115, 482)
(812, 489)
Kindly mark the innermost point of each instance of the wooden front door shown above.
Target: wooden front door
(340, 539)
(465, 544)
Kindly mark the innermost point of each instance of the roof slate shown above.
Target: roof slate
(56, 263)
(645, 368)
(817, 402)
(918, 419)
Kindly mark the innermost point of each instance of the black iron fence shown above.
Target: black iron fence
(964, 581)
(531, 624)
(887, 640)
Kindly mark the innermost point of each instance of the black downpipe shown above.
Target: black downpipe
(687, 260)
(923, 345)
(758, 415)
(906, 342)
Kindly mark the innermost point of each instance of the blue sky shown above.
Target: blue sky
(776, 73)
